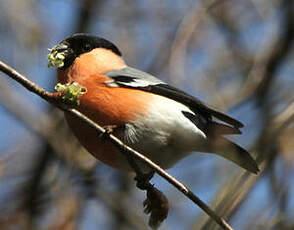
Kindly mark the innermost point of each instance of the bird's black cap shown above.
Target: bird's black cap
(82, 43)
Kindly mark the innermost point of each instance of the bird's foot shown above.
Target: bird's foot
(143, 180)
(109, 129)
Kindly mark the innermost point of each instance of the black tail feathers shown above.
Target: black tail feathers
(233, 152)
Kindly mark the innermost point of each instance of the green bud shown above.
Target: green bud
(71, 92)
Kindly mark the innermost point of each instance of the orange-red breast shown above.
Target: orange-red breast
(150, 116)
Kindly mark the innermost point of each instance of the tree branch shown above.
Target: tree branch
(54, 98)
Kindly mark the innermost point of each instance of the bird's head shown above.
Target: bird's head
(63, 54)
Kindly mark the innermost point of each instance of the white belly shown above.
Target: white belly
(165, 135)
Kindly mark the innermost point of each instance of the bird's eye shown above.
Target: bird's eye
(87, 47)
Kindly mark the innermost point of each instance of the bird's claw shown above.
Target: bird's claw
(108, 130)
(143, 180)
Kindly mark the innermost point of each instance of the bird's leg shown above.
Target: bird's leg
(143, 180)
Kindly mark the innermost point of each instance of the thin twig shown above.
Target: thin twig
(126, 150)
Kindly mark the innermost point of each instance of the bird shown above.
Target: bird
(162, 122)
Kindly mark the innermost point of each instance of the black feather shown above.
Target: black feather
(198, 120)
(123, 79)
(193, 103)
(211, 128)
(233, 152)
(218, 129)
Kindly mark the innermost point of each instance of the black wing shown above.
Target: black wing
(193, 103)
(133, 78)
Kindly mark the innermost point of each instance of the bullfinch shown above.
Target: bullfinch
(147, 114)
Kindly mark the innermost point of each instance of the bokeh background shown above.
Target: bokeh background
(237, 55)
